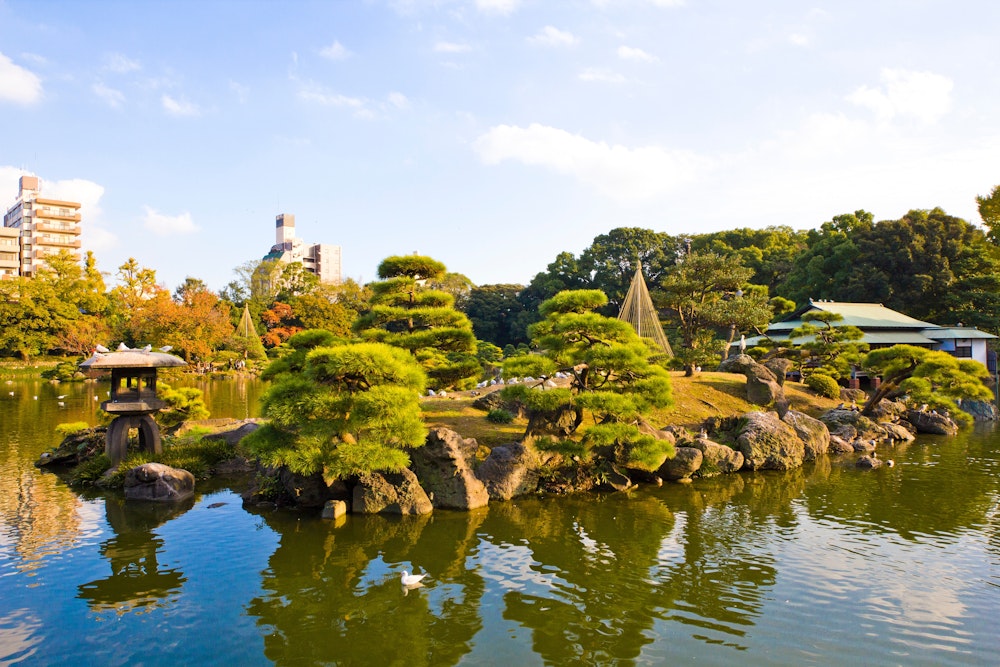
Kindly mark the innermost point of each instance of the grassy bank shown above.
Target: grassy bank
(696, 399)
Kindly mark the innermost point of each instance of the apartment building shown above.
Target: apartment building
(41, 227)
(321, 259)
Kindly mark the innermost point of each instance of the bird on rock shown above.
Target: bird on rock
(411, 579)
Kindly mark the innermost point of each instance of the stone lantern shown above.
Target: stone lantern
(133, 395)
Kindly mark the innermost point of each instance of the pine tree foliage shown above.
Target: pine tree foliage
(611, 374)
(408, 314)
(340, 409)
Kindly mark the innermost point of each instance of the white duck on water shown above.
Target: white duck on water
(411, 579)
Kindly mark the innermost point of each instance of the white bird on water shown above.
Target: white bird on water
(411, 579)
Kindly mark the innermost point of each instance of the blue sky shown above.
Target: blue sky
(489, 134)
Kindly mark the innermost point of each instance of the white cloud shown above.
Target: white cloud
(120, 64)
(923, 95)
(113, 98)
(316, 93)
(622, 173)
(601, 75)
(504, 7)
(166, 225)
(179, 107)
(798, 39)
(552, 36)
(451, 47)
(630, 53)
(655, 3)
(399, 100)
(17, 84)
(336, 51)
(242, 92)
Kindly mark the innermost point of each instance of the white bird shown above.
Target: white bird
(62, 397)
(122, 347)
(166, 348)
(102, 349)
(411, 579)
(148, 348)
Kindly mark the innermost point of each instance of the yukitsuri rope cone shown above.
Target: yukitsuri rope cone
(638, 310)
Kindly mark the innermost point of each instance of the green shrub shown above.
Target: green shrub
(824, 385)
(69, 428)
(500, 416)
(90, 470)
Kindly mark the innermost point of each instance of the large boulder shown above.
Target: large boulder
(717, 459)
(896, 432)
(767, 443)
(779, 367)
(158, 482)
(685, 463)
(849, 424)
(510, 470)
(390, 493)
(981, 411)
(443, 471)
(812, 432)
(762, 384)
(233, 436)
(309, 491)
(931, 421)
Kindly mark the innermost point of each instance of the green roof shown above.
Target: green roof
(861, 315)
(945, 333)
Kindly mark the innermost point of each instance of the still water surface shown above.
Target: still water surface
(824, 565)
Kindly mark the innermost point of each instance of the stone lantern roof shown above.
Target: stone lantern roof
(125, 357)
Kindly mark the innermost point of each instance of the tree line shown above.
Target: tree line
(708, 290)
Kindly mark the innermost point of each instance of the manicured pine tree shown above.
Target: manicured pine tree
(406, 313)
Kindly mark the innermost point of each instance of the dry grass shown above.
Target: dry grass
(695, 399)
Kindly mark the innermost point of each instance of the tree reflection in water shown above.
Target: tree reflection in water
(137, 581)
(343, 603)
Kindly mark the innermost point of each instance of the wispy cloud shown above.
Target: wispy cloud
(336, 51)
(166, 225)
(504, 7)
(655, 3)
(923, 95)
(121, 64)
(399, 100)
(113, 98)
(631, 53)
(451, 47)
(315, 93)
(623, 173)
(552, 36)
(601, 75)
(17, 84)
(179, 108)
(242, 92)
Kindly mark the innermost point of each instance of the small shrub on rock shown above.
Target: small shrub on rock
(824, 385)
(499, 416)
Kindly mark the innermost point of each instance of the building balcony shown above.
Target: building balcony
(55, 214)
(58, 228)
(6, 263)
(42, 243)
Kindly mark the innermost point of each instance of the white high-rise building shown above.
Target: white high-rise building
(321, 259)
(36, 227)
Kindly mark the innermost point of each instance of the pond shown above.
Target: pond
(824, 565)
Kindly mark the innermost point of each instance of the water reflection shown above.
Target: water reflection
(343, 602)
(137, 580)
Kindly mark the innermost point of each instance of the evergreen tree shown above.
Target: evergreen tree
(406, 313)
(611, 377)
(340, 410)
